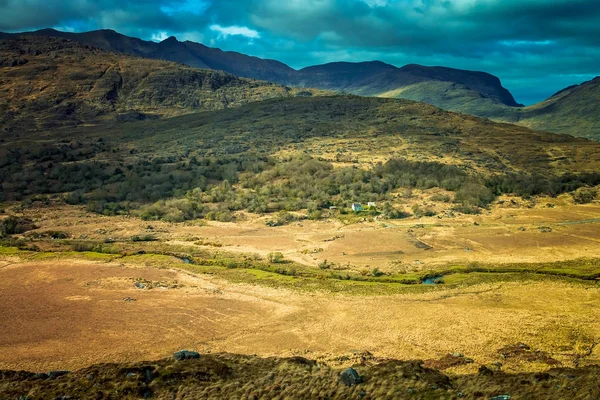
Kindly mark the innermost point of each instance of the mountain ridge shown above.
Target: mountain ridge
(49, 82)
(573, 110)
(374, 78)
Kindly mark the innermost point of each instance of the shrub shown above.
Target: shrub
(467, 209)
(74, 198)
(283, 218)
(584, 196)
(82, 246)
(286, 271)
(221, 216)
(420, 212)
(474, 194)
(315, 215)
(143, 238)
(398, 214)
(11, 242)
(56, 234)
(275, 257)
(51, 234)
(230, 263)
(441, 197)
(15, 225)
(390, 212)
(85, 246)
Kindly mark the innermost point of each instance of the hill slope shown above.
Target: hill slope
(374, 129)
(293, 152)
(574, 110)
(49, 81)
(455, 90)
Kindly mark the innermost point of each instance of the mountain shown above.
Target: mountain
(49, 81)
(452, 89)
(190, 53)
(574, 110)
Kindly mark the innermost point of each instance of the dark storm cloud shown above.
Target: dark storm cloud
(535, 46)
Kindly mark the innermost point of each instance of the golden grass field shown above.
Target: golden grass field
(508, 233)
(67, 310)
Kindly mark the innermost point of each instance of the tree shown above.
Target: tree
(275, 258)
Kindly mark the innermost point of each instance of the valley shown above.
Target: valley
(288, 231)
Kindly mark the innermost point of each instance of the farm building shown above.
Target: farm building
(357, 207)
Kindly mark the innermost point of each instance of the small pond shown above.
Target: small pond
(433, 280)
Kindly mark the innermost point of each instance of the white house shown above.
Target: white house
(357, 207)
(372, 204)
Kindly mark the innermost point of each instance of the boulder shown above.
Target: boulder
(140, 285)
(185, 355)
(350, 377)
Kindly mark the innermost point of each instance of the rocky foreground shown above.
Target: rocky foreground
(189, 375)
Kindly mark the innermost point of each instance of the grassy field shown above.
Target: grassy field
(210, 286)
(252, 311)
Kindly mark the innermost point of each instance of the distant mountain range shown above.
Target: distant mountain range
(451, 89)
(575, 110)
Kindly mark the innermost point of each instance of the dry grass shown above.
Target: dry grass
(67, 309)
(392, 246)
(68, 312)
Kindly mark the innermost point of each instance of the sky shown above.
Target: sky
(536, 47)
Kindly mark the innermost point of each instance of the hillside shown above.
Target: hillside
(48, 82)
(471, 92)
(295, 153)
(574, 110)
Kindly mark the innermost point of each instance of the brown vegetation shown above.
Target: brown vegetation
(227, 376)
(60, 82)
